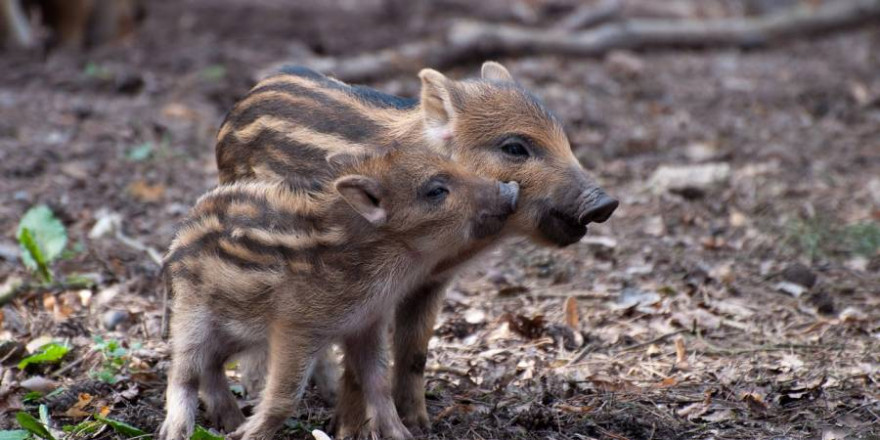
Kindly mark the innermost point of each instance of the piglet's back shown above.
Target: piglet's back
(288, 124)
(243, 239)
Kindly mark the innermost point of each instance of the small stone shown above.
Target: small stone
(474, 316)
(39, 383)
(113, 318)
(799, 274)
(701, 151)
(795, 290)
(497, 277)
(689, 181)
(624, 63)
(599, 241)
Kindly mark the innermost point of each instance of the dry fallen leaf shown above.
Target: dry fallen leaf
(668, 382)
(574, 409)
(755, 402)
(77, 411)
(680, 352)
(145, 192)
(571, 313)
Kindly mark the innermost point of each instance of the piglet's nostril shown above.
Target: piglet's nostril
(509, 193)
(600, 210)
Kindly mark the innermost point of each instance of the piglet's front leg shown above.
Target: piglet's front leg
(366, 353)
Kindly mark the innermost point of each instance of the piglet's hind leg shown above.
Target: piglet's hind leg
(291, 356)
(366, 352)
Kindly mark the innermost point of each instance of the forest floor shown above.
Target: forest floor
(745, 306)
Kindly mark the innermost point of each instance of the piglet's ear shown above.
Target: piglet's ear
(436, 104)
(364, 194)
(493, 71)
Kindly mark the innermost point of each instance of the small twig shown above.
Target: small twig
(714, 349)
(611, 434)
(652, 341)
(71, 365)
(581, 354)
(580, 294)
(436, 368)
(136, 245)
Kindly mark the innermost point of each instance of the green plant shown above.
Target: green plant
(36, 427)
(863, 238)
(42, 238)
(115, 360)
(123, 428)
(820, 236)
(141, 152)
(49, 353)
(201, 433)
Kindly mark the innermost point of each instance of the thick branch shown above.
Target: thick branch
(469, 40)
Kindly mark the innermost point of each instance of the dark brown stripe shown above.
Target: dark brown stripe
(327, 116)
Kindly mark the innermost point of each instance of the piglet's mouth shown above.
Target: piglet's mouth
(561, 229)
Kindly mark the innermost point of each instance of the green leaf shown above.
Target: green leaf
(17, 434)
(56, 393)
(122, 428)
(201, 433)
(42, 238)
(83, 428)
(105, 375)
(44, 416)
(141, 153)
(32, 396)
(33, 425)
(32, 256)
(48, 354)
(214, 73)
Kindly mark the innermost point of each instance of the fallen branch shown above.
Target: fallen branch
(154, 255)
(587, 16)
(469, 40)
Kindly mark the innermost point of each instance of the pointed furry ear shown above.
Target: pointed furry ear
(364, 194)
(437, 105)
(495, 72)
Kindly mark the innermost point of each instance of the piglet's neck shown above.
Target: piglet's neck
(375, 250)
(412, 130)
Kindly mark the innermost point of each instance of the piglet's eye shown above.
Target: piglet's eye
(515, 148)
(437, 193)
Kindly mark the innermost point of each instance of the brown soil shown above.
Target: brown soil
(681, 329)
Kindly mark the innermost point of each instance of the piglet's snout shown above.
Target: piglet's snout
(596, 207)
(494, 207)
(509, 194)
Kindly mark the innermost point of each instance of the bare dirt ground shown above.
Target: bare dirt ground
(688, 318)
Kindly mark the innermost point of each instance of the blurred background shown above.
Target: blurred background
(734, 294)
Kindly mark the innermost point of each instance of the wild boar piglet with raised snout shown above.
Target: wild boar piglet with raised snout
(260, 261)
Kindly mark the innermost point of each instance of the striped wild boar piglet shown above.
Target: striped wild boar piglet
(260, 261)
(289, 123)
